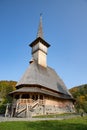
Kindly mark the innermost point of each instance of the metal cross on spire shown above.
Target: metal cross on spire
(40, 29)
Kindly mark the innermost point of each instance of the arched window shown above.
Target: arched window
(41, 97)
(36, 97)
(33, 97)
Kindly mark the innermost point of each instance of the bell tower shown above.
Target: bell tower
(39, 47)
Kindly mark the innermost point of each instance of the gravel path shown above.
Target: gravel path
(4, 119)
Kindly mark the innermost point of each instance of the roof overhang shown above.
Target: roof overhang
(40, 90)
(39, 39)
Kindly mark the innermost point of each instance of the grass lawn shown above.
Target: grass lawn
(79, 123)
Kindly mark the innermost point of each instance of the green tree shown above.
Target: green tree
(80, 95)
(5, 88)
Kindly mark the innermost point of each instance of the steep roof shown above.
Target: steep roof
(40, 29)
(43, 76)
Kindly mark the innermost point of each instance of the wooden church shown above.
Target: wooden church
(40, 91)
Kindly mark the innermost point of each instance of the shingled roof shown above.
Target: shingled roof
(43, 76)
(40, 90)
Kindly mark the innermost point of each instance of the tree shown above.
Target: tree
(5, 88)
(80, 95)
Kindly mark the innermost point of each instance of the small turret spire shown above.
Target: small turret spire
(40, 30)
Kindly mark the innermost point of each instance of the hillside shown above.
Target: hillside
(80, 94)
(5, 88)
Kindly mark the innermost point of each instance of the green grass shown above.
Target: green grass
(79, 123)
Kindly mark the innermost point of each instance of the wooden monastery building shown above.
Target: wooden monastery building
(40, 91)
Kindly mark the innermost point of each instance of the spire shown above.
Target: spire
(39, 47)
(40, 30)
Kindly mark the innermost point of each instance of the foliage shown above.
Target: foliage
(5, 88)
(79, 123)
(80, 94)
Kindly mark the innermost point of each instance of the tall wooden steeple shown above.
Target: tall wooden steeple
(39, 47)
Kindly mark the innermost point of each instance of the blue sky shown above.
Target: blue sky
(64, 27)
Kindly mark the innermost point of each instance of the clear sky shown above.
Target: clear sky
(64, 27)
